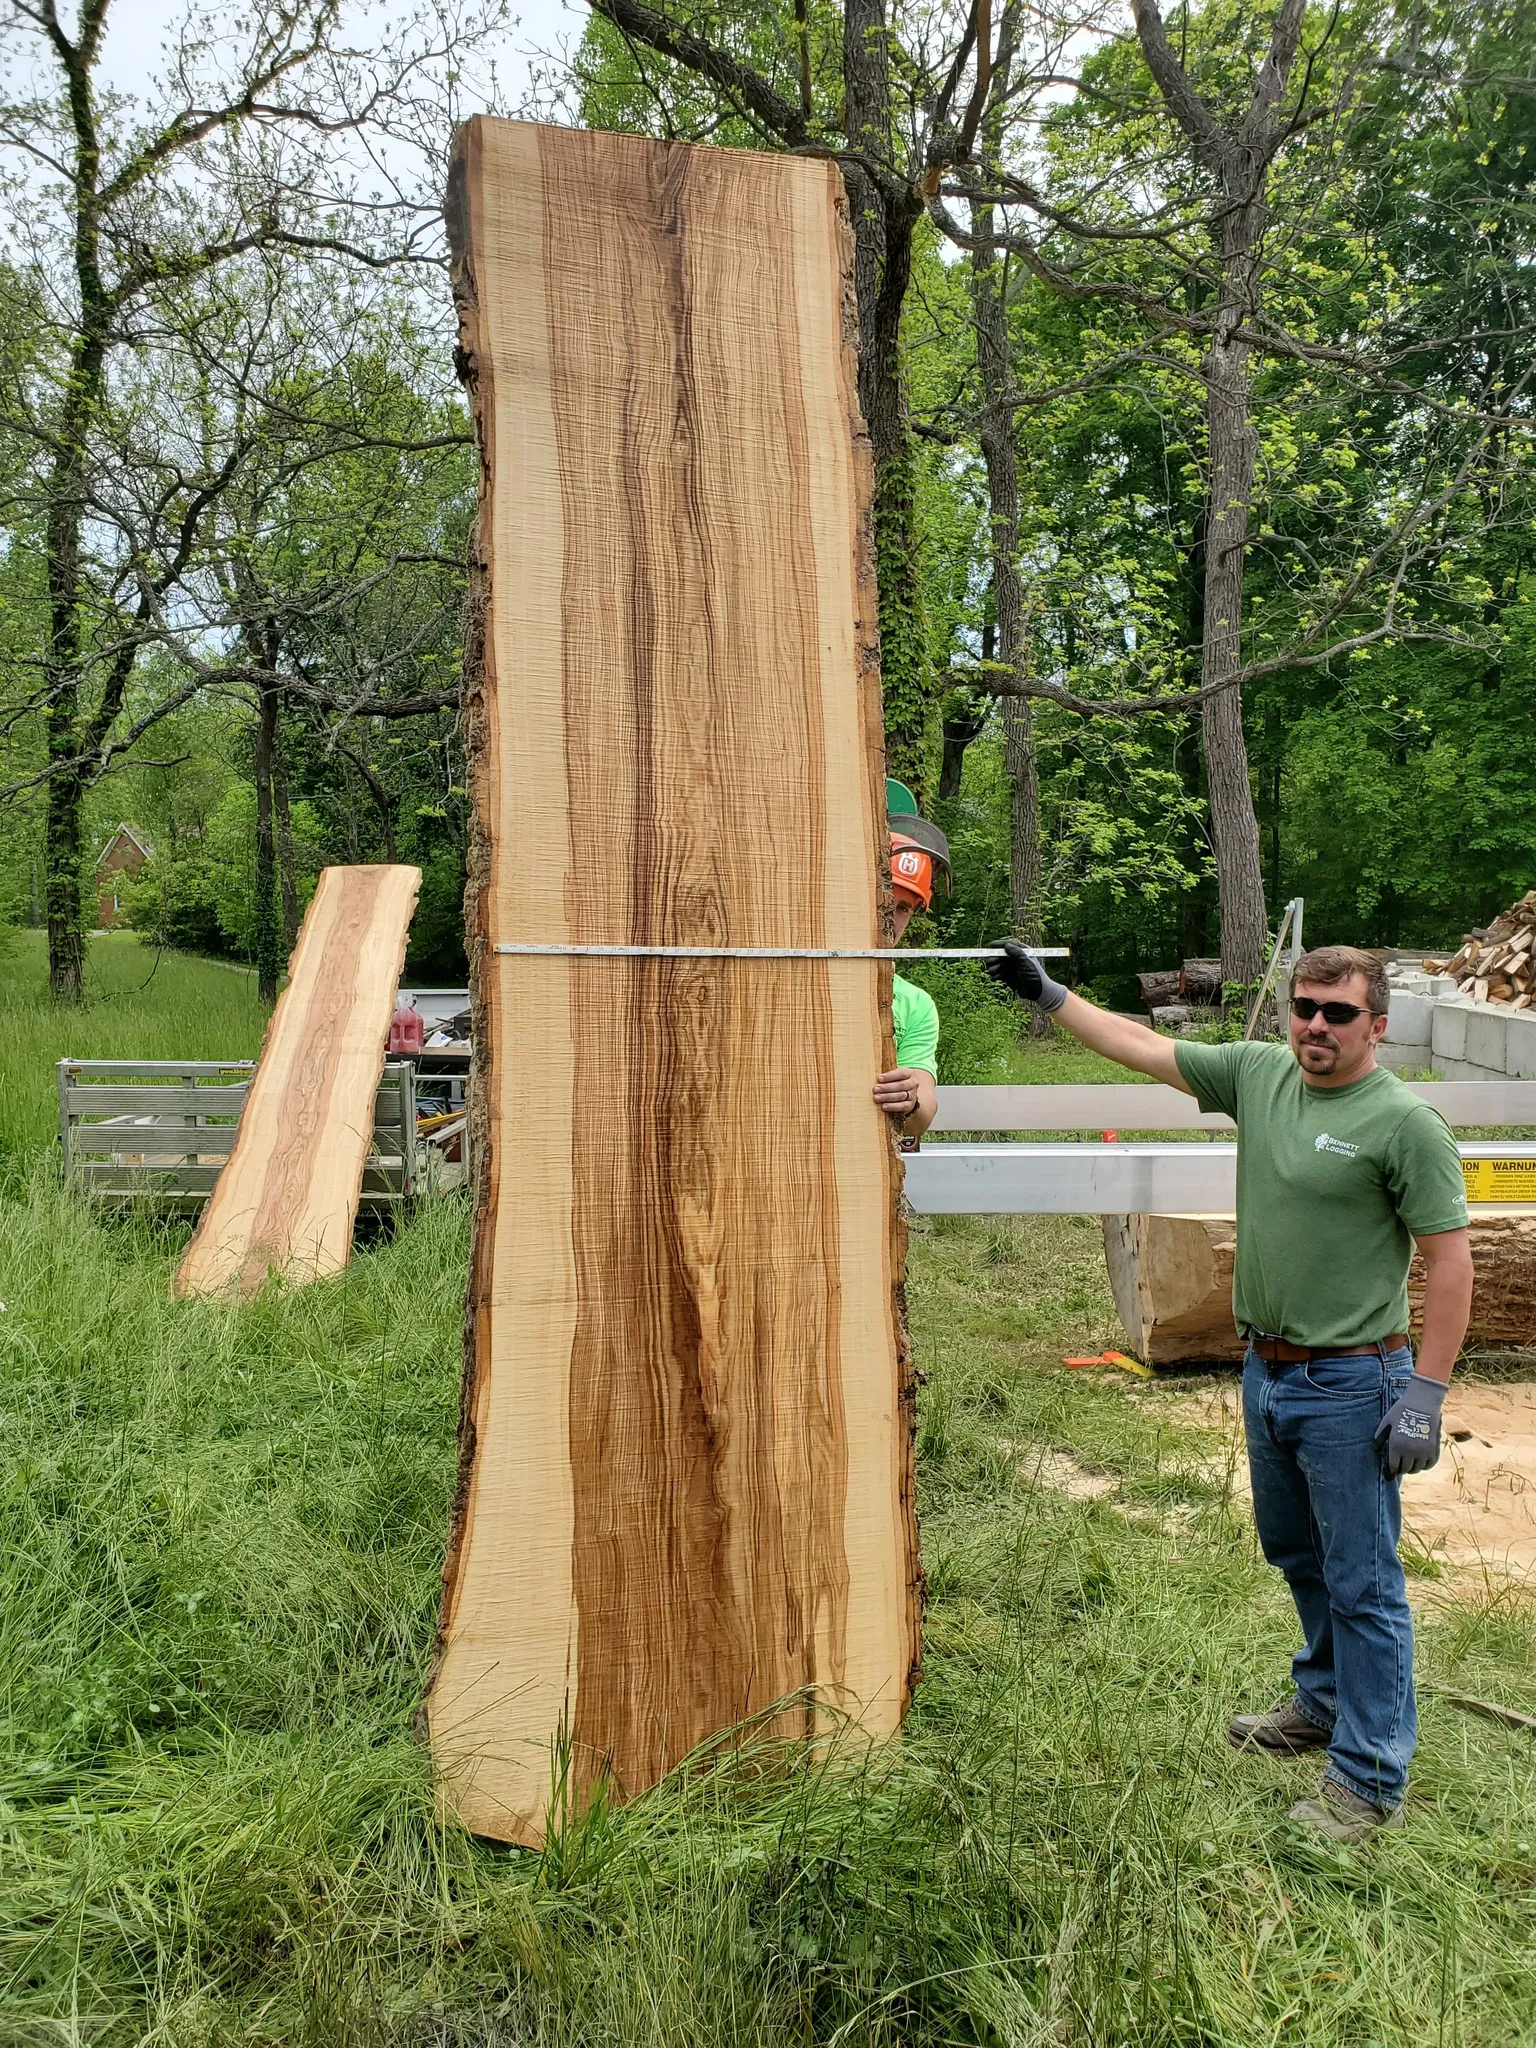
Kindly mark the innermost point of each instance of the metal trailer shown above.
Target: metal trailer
(162, 1129)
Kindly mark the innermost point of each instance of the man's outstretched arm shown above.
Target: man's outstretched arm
(1117, 1038)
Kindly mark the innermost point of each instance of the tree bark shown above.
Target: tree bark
(1234, 825)
(957, 731)
(63, 832)
(885, 209)
(287, 878)
(267, 924)
(1000, 455)
(1238, 155)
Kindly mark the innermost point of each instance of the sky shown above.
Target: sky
(137, 31)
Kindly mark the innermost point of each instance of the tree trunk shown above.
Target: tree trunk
(1000, 455)
(885, 210)
(1234, 827)
(62, 848)
(957, 732)
(268, 934)
(1238, 156)
(63, 831)
(286, 876)
(1229, 500)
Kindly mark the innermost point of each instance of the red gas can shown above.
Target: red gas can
(407, 1032)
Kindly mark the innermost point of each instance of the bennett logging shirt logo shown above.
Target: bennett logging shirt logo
(1333, 1186)
(1323, 1143)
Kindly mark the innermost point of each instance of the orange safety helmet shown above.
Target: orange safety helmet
(911, 872)
(919, 850)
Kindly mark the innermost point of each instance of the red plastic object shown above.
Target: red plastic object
(407, 1032)
(1110, 1137)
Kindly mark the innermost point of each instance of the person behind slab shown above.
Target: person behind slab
(1341, 1171)
(919, 853)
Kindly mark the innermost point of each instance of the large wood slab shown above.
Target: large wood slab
(686, 1483)
(287, 1199)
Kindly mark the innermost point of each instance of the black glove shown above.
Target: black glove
(1409, 1432)
(1021, 972)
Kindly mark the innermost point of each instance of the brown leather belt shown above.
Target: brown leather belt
(1276, 1351)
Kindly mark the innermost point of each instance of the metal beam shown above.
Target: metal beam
(1091, 1180)
(1151, 1106)
(1089, 1106)
(1071, 1180)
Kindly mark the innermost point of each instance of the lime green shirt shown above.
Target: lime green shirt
(915, 1016)
(1333, 1186)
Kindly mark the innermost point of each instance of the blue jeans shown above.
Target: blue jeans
(1329, 1517)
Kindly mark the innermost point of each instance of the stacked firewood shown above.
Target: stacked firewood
(1498, 964)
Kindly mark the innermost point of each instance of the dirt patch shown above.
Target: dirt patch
(1062, 1474)
(1473, 1511)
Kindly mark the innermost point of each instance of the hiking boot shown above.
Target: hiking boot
(1342, 1815)
(1283, 1731)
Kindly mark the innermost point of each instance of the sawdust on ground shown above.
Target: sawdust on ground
(1473, 1511)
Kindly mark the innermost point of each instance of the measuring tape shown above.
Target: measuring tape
(782, 952)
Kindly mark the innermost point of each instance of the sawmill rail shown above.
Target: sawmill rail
(163, 1129)
(1114, 1105)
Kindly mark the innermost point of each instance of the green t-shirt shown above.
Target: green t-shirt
(1333, 1185)
(916, 1019)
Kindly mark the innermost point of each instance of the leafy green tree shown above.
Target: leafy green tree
(126, 226)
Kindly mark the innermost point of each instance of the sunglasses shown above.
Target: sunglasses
(1304, 1008)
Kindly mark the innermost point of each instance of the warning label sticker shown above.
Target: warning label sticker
(1500, 1180)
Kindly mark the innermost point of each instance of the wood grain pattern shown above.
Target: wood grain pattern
(286, 1201)
(685, 1493)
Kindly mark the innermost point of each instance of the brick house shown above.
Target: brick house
(125, 853)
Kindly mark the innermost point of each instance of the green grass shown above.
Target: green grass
(140, 1004)
(220, 1539)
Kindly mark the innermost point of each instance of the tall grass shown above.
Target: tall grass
(140, 1004)
(220, 1540)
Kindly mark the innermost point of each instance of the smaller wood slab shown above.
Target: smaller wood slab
(287, 1200)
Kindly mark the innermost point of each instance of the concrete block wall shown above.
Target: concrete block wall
(1431, 1023)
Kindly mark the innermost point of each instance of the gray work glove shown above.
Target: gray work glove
(1021, 972)
(1409, 1432)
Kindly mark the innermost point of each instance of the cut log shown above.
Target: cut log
(1159, 988)
(1169, 1016)
(1503, 1277)
(685, 1490)
(1171, 1277)
(1200, 981)
(1172, 1281)
(287, 1200)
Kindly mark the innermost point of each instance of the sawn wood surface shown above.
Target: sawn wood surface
(286, 1201)
(685, 1495)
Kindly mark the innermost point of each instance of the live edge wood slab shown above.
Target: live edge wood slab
(685, 1494)
(287, 1199)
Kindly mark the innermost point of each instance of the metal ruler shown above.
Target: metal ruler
(781, 952)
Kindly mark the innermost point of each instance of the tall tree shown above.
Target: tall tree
(1152, 207)
(119, 214)
(1237, 153)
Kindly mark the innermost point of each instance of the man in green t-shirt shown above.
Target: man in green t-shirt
(1341, 1171)
(909, 1091)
